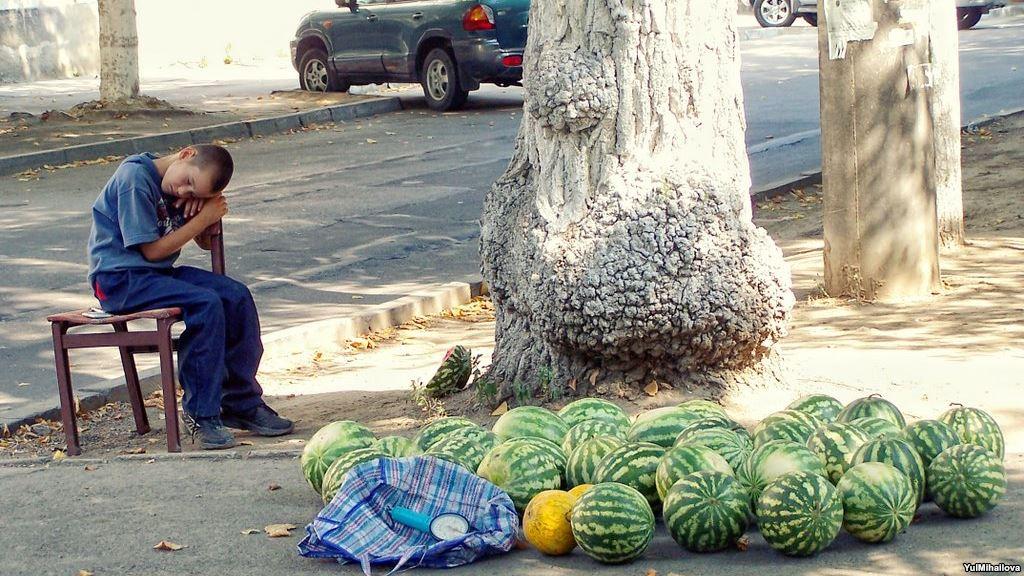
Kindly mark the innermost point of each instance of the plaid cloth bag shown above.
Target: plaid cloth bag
(356, 525)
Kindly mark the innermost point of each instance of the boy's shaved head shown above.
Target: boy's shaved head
(217, 159)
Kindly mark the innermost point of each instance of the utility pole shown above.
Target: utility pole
(878, 158)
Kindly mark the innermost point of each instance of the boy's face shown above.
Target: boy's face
(186, 180)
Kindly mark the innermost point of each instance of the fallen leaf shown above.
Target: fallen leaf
(743, 543)
(272, 487)
(59, 455)
(357, 297)
(501, 409)
(90, 468)
(651, 389)
(279, 530)
(371, 141)
(168, 546)
(84, 573)
(23, 384)
(651, 572)
(250, 531)
(139, 450)
(593, 376)
(572, 384)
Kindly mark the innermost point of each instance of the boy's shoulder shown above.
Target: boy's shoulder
(136, 172)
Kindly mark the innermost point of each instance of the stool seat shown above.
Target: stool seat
(76, 318)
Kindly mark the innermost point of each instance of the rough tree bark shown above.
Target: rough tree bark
(944, 99)
(618, 245)
(119, 50)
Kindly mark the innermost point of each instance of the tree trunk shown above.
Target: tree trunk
(618, 245)
(945, 103)
(119, 50)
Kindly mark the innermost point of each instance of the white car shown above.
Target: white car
(782, 13)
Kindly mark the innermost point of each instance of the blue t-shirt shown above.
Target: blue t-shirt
(131, 210)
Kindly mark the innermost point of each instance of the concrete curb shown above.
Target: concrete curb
(156, 457)
(202, 135)
(319, 334)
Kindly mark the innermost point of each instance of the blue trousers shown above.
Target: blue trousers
(219, 352)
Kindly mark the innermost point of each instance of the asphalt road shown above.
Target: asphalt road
(324, 222)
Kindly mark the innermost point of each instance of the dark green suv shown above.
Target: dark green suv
(448, 46)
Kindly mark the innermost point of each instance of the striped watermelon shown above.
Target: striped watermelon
(549, 447)
(397, 446)
(878, 501)
(835, 443)
(335, 475)
(876, 427)
(873, 405)
(899, 455)
(930, 438)
(966, 480)
(327, 444)
(706, 511)
(802, 419)
(522, 470)
(438, 429)
(821, 406)
(773, 459)
(579, 469)
(704, 408)
(612, 523)
(593, 409)
(975, 426)
(660, 426)
(727, 443)
(467, 448)
(531, 421)
(589, 429)
(634, 464)
(793, 430)
(686, 459)
(800, 513)
(710, 422)
(453, 374)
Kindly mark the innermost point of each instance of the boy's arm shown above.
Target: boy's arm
(204, 241)
(213, 211)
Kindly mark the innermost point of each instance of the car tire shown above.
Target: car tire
(315, 73)
(774, 13)
(966, 18)
(811, 19)
(440, 80)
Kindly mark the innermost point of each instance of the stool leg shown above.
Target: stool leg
(67, 397)
(167, 383)
(131, 380)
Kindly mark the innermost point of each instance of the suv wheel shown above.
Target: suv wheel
(440, 80)
(774, 13)
(315, 74)
(967, 17)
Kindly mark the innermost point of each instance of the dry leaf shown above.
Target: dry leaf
(279, 530)
(168, 546)
(651, 572)
(651, 389)
(250, 531)
(84, 573)
(59, 455)
(743, 543)
(572, 384)
(139, 450)
(501, 409)
(593, 376)
(273, 487)
(371, 141)
(90, 468)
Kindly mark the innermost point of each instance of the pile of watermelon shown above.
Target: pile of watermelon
(801, 475)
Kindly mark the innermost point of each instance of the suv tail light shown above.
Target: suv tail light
(479, 17)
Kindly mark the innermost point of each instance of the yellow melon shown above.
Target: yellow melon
(546, 522)
(579, 490)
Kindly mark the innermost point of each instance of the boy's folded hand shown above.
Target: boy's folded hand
(192, 206)
(213, 210)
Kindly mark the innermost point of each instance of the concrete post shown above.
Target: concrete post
(119, 50)
(877, 150)
(945, 103)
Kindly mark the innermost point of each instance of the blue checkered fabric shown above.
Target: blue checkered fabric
(356, 525)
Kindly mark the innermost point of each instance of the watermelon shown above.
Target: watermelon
(531, 421)
(438, 429)
(704, 408)
(727, 443)
(467, 448)
(801, 419)
(876, 427)
(552, 449)
(966, 481)
(706, 511)
(773, 459)
(835, 443)
(930, 438)
(900, 455)
(579, 468)
(593, 409)
(522, 470)
(822, 406)
(878, 501)
(589, 429)
(612, 523)
(396, 446)
(453, 374)
(710, 422)
(794, 430)
(335, 475)
(873, 405)
(634, 464)
(660, 426)
(800, 513)
(327, 444)
(686, 459)
(975, 426)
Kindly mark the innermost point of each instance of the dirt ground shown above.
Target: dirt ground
(963, 345)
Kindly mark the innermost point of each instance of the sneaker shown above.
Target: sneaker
(261, 420)
(211, 432)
